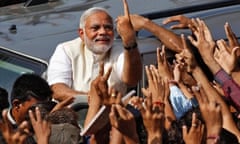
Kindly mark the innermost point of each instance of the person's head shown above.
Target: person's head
(96, 30)
(3, 99)
(63, 115)
(28, 89)
(64, 126)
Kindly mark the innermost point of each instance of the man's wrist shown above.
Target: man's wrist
(155, 138)
(130, 47)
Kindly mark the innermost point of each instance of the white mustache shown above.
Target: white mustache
(107, 38)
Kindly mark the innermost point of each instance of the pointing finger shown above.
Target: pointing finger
(126, 9)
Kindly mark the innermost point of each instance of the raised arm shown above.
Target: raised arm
(212, 94)
(211, 113)
(163, 34)
(132, 66)
(195, 133)
(123, 120)
(98, 91)
(153, 119)
(205, 44)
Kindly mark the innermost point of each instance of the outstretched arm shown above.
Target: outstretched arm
(200, 77)
(163, 34)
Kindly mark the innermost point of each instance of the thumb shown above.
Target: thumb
(184, 131)
(235, 51)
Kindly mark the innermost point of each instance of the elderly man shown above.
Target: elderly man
(75, 63)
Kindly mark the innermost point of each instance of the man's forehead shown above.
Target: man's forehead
(99, 17)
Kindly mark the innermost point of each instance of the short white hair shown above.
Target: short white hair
(89, 12)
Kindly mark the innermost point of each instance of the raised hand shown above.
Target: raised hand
(113, 97)
(204, 41)
(11, 135)
(42, 128)
(186, 56)
(99, 87)
(97, 93)
(125, 28)
(123, 120)
(156, 85)
(153, 119)
(178, 73)
(226, 56)
(195, 134)
(210, 111)
(232, 39)
(184, 22)
(163, 67)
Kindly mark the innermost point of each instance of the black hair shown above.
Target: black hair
(63, 115)
(3, 99)
(31, 85)
(174, 134)
(45, 108)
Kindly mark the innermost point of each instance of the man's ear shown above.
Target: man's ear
(16, 104)
(81, 33)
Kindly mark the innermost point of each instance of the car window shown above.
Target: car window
(12, 65)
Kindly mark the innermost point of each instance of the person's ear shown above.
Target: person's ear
(81, 33)
(16, 104)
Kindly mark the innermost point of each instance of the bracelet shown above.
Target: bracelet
(131, 47)
(173, 82)
(158, 103)
(215, 138)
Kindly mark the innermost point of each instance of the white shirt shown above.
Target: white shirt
(76, 66)
(10, 117)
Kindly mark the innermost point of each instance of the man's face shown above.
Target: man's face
(20, 109)
(98, 32)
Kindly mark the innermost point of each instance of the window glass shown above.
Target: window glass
(12, 65)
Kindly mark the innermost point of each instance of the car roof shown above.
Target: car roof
(41, 27)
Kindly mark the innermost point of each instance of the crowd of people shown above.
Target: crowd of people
(192, 98)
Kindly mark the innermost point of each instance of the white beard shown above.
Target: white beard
(97, 49)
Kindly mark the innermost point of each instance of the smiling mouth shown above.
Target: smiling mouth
(102, 41)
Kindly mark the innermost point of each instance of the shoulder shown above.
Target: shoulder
(72, 43)
(72, 47)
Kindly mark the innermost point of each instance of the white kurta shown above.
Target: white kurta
(76, 66)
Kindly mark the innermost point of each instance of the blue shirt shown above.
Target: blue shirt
(179, 102)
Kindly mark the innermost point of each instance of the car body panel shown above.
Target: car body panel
(40, 28)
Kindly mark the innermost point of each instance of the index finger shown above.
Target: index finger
(171, 19)
(126, 9)
(101, 68)
(230, 34)
(63, 103)
(106, 76)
